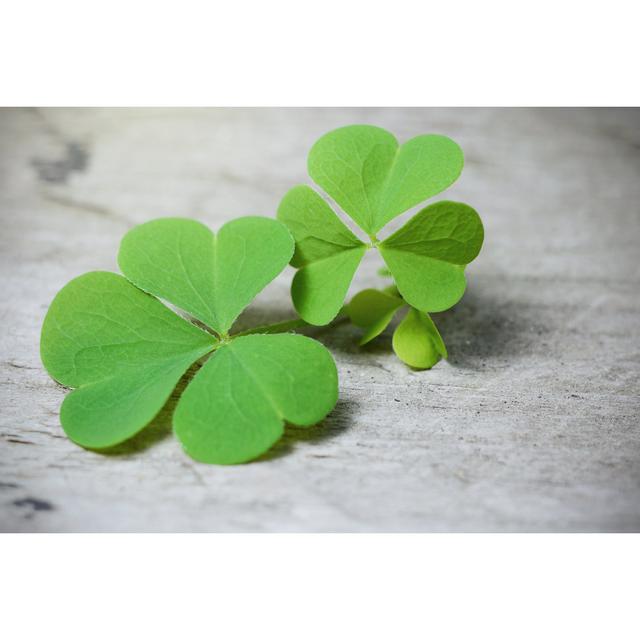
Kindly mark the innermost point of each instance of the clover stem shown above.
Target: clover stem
(374, 241)
(287, 325)
(278, 327)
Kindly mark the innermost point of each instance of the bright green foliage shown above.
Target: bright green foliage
(319, 234)
(447, 231)
(235, 407)
(373, 310)
(427, 255)
(213, 277)
(124, 351)
(327, 255)
(373, 179)
(417, 342)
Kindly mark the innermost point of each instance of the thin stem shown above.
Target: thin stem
(278, 327)
(287, 325)
(374, 241)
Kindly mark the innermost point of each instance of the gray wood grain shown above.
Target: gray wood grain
(532, 425)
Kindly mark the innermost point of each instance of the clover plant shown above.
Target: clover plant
(374, 179)
(123, 342)
(124, 351)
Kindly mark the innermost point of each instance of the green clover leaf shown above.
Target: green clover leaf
(124, 351)
(327, 255)
(416, 340)
(235, 407)
(373, 179)
(213, 277)
(373, 310)
(427, 255)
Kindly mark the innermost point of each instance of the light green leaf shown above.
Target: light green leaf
(373, 179)
(319, 289)
(327, 254)
(427, 255)
(317, 230)
(417, 341)
(373, 310)
(352, 164)
(123, 350)
(423, 167)
(213, 277)
(235, 407)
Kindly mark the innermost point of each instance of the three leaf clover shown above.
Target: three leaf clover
(124, 351)
(374, 179)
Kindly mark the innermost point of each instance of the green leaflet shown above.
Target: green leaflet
(427, 284)
(123, 349)
(417, 342)
(327, 255)
(373, 310)
(318, 232)
(213, 277)
(319, 289)
(427, 255)
(447, 231)
(373, 179)
(235, 407)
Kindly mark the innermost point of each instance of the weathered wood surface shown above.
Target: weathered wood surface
(533, 424)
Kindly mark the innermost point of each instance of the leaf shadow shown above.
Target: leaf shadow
(480, 328)
(334, 425)
(259, 315)
(484, 327)
(160, 428)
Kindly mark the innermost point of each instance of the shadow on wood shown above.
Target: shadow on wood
(160, 428)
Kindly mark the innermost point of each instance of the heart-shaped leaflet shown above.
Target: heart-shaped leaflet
(374, 179)
(211, 276)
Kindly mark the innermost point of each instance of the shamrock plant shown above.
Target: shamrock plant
(123, 342)
(124, 351)
(374, 179)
